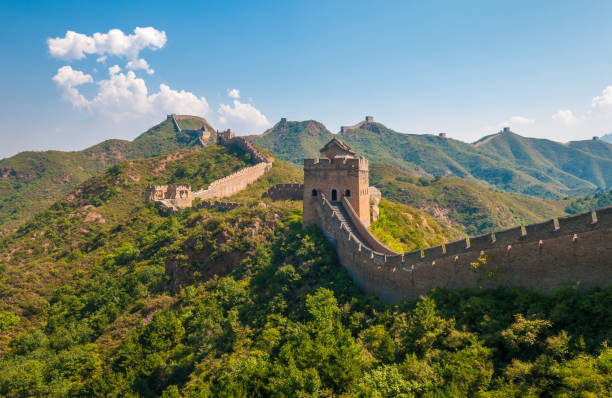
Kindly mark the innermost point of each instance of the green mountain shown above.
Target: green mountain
(505, 160)
(467, 206)
(292, 141)
(31, 181)
(103, 295)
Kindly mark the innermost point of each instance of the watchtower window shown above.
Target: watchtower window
(347, 193)
(334, 195)
(314, 192)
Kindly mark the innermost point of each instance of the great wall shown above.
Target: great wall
(574, 250)
(173, 197)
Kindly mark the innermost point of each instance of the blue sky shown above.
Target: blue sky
(466, 68)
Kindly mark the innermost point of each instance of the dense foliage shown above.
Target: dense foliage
(465, 204)
(105, 296)
(590, 202)
(288, 322)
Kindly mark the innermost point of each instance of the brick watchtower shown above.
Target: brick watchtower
(338, 174)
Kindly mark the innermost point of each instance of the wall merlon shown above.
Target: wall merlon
(481, 242)
(508, 236)
(413, 257)
(432, 253)
(604, 217)
(576, 223)
(539, 231)
(456, 247)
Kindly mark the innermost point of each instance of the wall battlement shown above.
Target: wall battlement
(285, 192)
(335, 163)
(580, 254)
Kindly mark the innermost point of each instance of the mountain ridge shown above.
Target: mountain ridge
(505, 160)
(32, 180)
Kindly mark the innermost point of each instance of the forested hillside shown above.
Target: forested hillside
(105, 296)
(31, 181)
(505, 161)
(466, 205)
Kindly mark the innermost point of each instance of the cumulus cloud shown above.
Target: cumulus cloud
(517, 121)
(101, 59)
(77, 45)
(123, 95)
(233, 93)
(68, 79)
(140, 64)
(565, 116)
(520, 120)
(604, 100)
(242, 117)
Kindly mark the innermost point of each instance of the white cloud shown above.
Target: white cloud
(140, 64)
(520, 120)
(604, 100)
(233, 93)
(517, 121)
(565, 116)
(68, 79)
(124, 96)
(114, 69)
(77, 45)
(242, 117)
(101, 59)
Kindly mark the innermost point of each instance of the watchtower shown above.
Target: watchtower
(338, 174)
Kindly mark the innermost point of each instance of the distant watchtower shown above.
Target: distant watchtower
(338, 174)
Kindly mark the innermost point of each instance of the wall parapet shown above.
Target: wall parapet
(577, 251)
(285, 192)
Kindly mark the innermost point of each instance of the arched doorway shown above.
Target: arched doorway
(334, 195)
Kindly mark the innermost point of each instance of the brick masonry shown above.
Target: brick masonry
(541, 257)
(175, 197)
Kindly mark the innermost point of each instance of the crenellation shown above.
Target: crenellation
(433, 252)
(456, 247)
(539, 231)
(508, 236)
(481, 242)
(577, 223)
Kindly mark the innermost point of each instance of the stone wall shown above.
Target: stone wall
(233, 183)
(228, 138)
(172, 195)
(214, 204)
(285, 192)
(576, 250)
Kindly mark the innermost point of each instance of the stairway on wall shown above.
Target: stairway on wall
(346, 221)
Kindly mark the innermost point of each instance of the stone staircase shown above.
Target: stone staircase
(346, 221)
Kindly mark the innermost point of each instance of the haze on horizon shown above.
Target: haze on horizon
(75, 74)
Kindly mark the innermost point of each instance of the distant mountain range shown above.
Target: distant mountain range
(31, 181)
(505, 161)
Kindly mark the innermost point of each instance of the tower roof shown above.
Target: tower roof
(335, 148)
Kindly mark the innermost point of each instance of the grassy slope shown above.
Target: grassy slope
(580, 166)
(34, 180)
(295, 140)
(103, 296)
(468, 206)
(403, 228)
